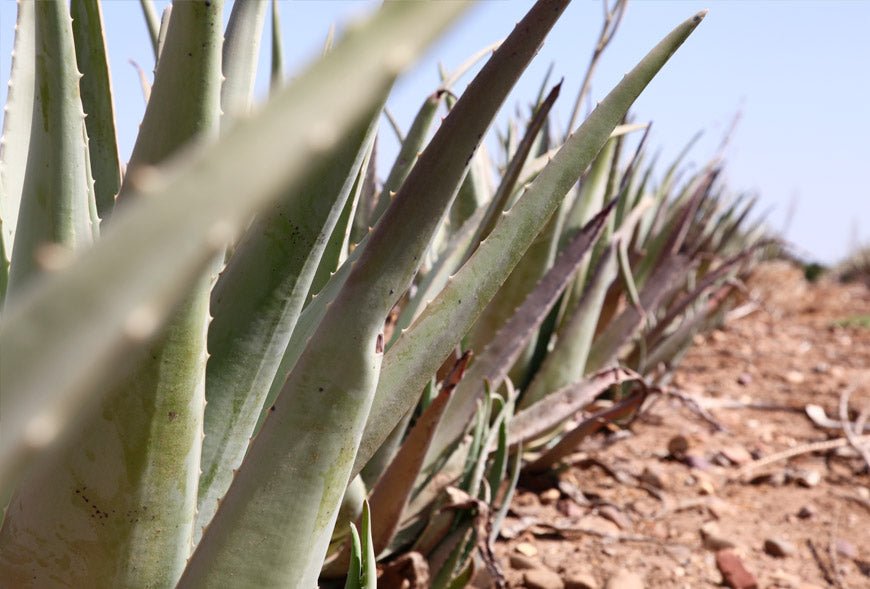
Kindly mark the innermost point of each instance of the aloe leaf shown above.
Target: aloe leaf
(354, 567)
(560, 405)
(572, 439)
(669, 241)
(408, 152)
(241, 52)
(513, 478)
(55, 209)
(512, 173)
(338, 245)
(540, 255)
(139, 499)
(152, 22)
(391, 493)
(165, 17)
(362, 570)
(314, 469)
(455, 252)
(277, 76)
(417, 354)
(496, 359)
(68, 341)
(256, 303)
(14, 144)
(625, 326)
(96, 91)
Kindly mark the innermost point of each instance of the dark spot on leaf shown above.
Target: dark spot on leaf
(172, 415)
(272, 408)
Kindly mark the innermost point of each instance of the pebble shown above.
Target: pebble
(734, 573)
(822, 368)
(807, 511)
(845, 548)
(579, 580)
(521, 562)
(737, 454)
(654, 477)
(526, 549)
(807, 477)
(697, 462)
(542, 579)
(744, 379)
(625, 580)
(795, 377)
(779, 547)
(677, 446)
(616, 516)
(713, 538)
(550, 496)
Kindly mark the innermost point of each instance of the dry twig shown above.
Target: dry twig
(797, 451)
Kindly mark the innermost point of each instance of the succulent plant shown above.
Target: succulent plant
(201, 366)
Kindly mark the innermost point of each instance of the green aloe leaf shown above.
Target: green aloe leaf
(16, 131)
(96, 89)
(493, 363)
(137, 499)
(411, 147)
(152, 23)
(256, 303)
(241, 53)
(362, 571)
(69, 341)
(277, 75)
(417, 354)
(322, 396)
(55, 215)
(566, 363)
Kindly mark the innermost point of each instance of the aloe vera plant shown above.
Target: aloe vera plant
(197, 353)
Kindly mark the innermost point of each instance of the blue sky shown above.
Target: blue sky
(796, 70)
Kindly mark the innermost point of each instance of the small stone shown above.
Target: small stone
(598, 524)
(579, 580)
(569, 508)
(526, 549)
(550, 496)
(625, 580)
(795, 377)
(697, 462)
(677, 446)
(737, 454)
(734, 573)
(744, 379)
(822, 368)
(864, 492)
(779, 547)
(845, 548)
(521, 562)
(713, 538)
(807, 477)
(616, 516)
(542, 579)
(610, 550)
(654, 477)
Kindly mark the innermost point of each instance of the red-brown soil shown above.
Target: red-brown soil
(643, 509)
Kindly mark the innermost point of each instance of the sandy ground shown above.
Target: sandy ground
(672, 501)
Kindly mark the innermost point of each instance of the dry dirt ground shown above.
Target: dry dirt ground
(672, 502)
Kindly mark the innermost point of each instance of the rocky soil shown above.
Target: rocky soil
(700, 491)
